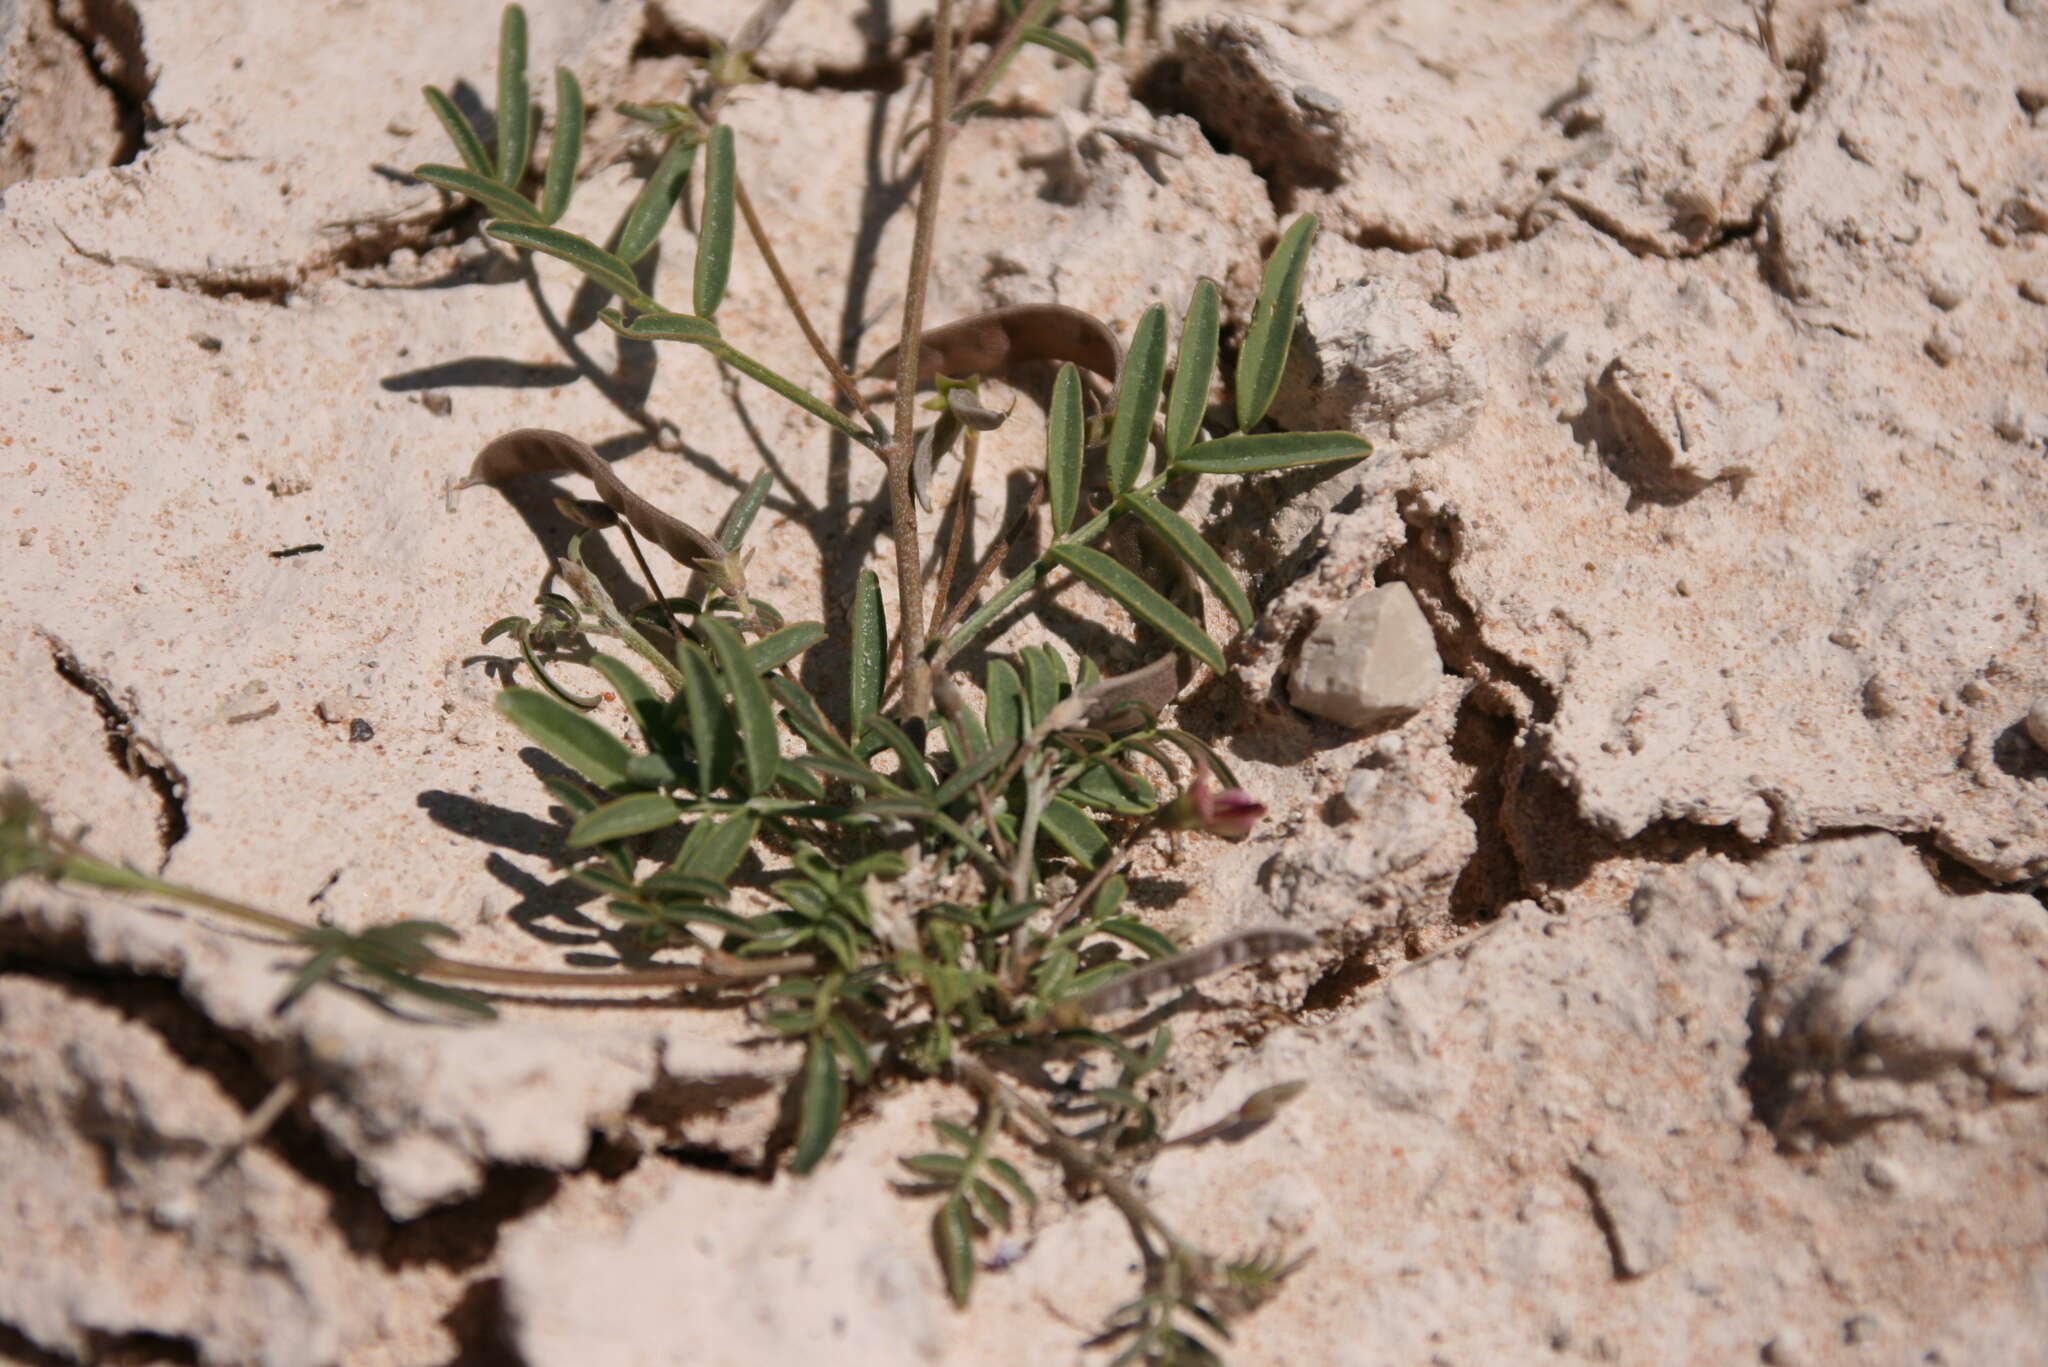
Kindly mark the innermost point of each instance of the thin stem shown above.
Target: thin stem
(653, 584)
(902, 504)
(963, 493)
(991, 560)
(992, 69)
(1073, 1157)
(796, 307)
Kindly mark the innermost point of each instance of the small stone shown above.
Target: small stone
(1885, 1174)
(360, 730)
(1943, 346)
(1358, 792)
(2037, 723)
(1787, 1349)
(1371, 662)
(1861, 1329)
(2035, 289)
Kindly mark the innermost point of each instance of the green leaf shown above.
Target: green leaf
(715, 846)
(714, 226)
(461, 132)
(1007, 723)
(1108, 898)
(1144, 602)
(1073, 831)
(1137, 399)
(570, 737)
(626, 816)
(975, 770)
(1063, 449)
(669, 327)
(820, 1101)
(488, 193)
(940, 1167)
(711, 723)
(1007, 1174)
(798, 395)
(647, 707)
(1106, 787)
(870, 652)
(1193, 367)
(778, 648)
(740, 517)
(760, 742)
(1060, 43)
(851, 1047)
(515, 106)
(1044, 672)
(990, 1204)
(1250, 455)
(956, 1133)
(1263, 359)
(657, 198)
(1152, 943)
(953, 1236)
(567, 148)
(1198, 554)
(593, 260)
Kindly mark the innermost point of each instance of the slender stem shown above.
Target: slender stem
(963, 494)
(991, 560)
(796, 307)
(902, 504)
(653, 584)
(992, 69)
(1073, 1157)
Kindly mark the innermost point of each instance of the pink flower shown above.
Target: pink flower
(1231, 813)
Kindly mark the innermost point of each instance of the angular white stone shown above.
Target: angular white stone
(1371, 662)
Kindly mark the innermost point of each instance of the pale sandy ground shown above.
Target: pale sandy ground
(1706, 355)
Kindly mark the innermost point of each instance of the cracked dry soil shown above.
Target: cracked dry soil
(1682, 993)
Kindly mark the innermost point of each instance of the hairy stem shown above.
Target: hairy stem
(840, 378)
(902, 503)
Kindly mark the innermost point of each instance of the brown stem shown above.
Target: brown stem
(1012, 37)
(653, 584)
(917, 691)
(993, 558)
(840, 378)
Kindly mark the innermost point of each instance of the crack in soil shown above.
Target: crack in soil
(108, 36)
(136, 755)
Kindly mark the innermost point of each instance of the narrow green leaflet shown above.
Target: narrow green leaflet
(715, 846)
(711, 724)
(953, 1236)
(819, 1104)
(1153, 943)
(460, 132)
(657, 198)
(975, 770)
(567, 148)
(1060, 43)
(870, 647)
(594, 261)
(569, 736)
(1264, 355)
(1144, 602)
(1073, 831)
(1137, 399)
(1196, 551)
(1247, 455)
(914, 767)
(739, 518)
(1007, 1174)
(671, 327)
(636, 814)
(797, 394)
(1007, 723)
(483, 190)
(760, 742)
(1063, 449)
(778, 648)
(643, 702)
(1044, 672)
(515, 106)
(1194, 366)
(714, 226)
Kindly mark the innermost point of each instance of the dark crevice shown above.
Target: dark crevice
(481, 1326)
(109, 39)
(102, 1349)
(1341, 984)
(135, 755)
(1482, 743)
(458, 1236)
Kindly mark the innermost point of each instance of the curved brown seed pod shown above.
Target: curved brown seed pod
(985, 343)
(538, 451)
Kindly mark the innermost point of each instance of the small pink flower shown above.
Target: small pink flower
(1231, 813)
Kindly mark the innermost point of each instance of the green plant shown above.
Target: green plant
(931, 888)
